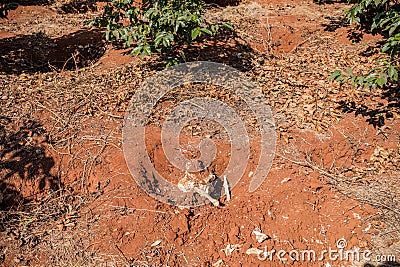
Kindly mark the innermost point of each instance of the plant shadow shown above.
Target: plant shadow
(23, 158)
(40, 53)
(354, 34)
(225, 48)
(376, 115)
(78, 6)
(34, 2)
(334, 23)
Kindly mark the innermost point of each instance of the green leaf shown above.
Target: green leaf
(334, 74)
(157, 26)
(360, 80)
(137, 50)
(159, 38)
(195, 33)
(339, 77)
(227, 25)
(205, 30)
(115, 33)
(386, 47)
(146, 50)
(391, 71)
(382, 80)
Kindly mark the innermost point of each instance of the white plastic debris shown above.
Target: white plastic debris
(226, 187)
(203, 193)
(186, 184)
(230, 248)
(156, 243)
(254, 251)
(260, 236)
(218, 263)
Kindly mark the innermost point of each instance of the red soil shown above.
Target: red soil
(295, 206)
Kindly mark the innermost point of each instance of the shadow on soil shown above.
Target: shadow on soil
(223, 48)
(354, 34)
(334, 23)
(34, 2)
(226, 49)
(39, 53)
(78, 6)
(83, 6)
(23, 158)
(376, 115)
(70, 6)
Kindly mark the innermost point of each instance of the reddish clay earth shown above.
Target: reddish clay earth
(78, 88)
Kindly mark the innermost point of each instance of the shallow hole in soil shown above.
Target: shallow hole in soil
(195, 130)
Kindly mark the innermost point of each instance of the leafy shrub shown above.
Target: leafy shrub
(157, 26)
(377, 16)
(5, 6)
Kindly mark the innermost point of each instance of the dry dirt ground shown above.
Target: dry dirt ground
(67, 197)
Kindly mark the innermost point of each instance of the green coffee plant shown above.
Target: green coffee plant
(157, 26)
(378, 76)
(5, 6)
(377, 16)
